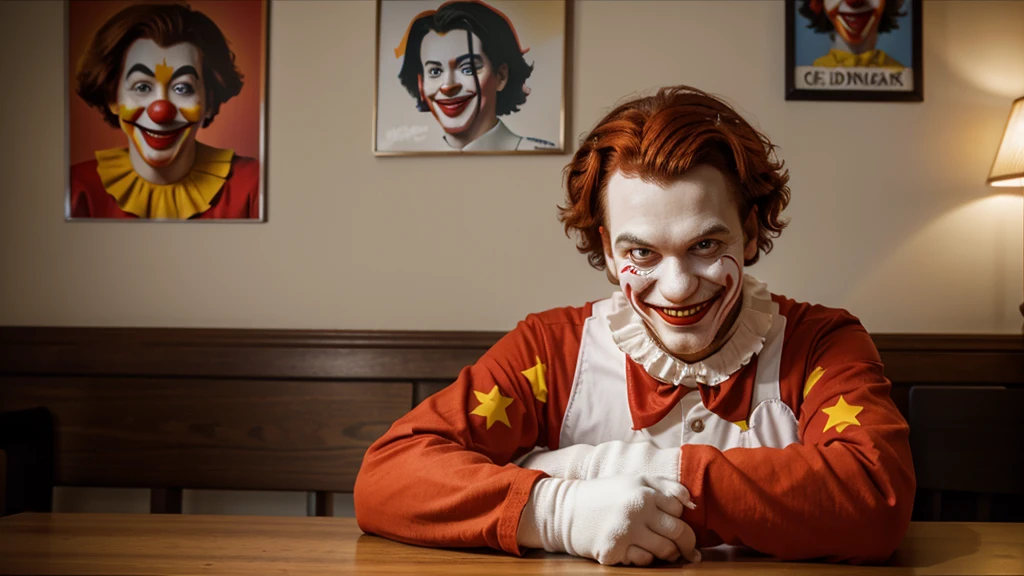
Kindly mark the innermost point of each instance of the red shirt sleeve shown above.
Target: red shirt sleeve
(443, 474)
(844, 492)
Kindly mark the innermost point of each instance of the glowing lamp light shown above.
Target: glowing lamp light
(1008, 168)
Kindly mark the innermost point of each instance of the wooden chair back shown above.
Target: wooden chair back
(26, 461)
(964, 439)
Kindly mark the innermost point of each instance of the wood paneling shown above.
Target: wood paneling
(410, 355)
(226, 353)
(205, 433)
(949, 359)
(959, 360)
(426, 389)
(171, 408)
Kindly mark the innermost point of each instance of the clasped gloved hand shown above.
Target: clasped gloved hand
(629, 519)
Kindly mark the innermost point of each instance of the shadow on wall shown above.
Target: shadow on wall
(981, 240)
(984, 48)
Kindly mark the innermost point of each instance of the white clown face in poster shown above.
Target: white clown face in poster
(160, 105)
(678, 253)
(460, 88)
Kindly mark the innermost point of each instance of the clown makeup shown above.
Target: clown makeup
(856, 22)
(678, 251)
(160, 102)
(461, 88)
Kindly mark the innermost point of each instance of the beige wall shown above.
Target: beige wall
(890, 214)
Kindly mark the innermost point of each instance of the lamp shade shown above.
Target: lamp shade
(1008, 169)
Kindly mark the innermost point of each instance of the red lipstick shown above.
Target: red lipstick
(452, 107)
(161, 139)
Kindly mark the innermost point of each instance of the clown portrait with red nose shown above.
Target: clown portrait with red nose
(159, 73)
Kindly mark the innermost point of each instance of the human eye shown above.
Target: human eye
(434, 71)
(642, 256)
(467, 70)
(706, 247)
(142, 87)
(184, 89)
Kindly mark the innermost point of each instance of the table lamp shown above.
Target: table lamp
(1008, 168)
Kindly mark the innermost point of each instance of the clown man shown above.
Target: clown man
(692, 408)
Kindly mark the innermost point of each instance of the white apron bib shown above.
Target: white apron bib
(598, 409)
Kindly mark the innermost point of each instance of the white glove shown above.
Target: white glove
(620, 520)
(585, 462)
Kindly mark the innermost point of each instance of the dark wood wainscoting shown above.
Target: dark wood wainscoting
(296, 409)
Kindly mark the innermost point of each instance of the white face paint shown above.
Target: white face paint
(448, 87)
(678, 251)
(160, 101)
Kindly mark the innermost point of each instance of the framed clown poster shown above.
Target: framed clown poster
(166, 110)
(470, 77)
(867, 50)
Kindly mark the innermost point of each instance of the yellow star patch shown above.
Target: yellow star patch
(841, 415)
(492, 406)
(743, 425)
(538, 382)
(816, 375)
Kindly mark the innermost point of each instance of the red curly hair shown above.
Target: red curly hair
(660, 137)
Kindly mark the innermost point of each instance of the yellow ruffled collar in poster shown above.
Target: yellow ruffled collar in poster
(178, 201)
(870, 59)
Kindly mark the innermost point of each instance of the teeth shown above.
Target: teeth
(685, 312)
(158, 134)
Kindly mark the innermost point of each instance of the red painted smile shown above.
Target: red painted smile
(685, 316)
(452, 107)
(161, 139)
(856, 22)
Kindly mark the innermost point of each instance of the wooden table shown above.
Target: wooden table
(121, 544)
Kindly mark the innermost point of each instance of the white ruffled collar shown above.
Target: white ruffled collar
(748, 334)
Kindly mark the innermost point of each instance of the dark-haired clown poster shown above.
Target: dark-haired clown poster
(853, 50)
(165, 110)
(470, 77)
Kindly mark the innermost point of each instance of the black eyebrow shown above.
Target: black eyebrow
(434, 62)
(140, 68)
(183, 71)
(466, 57)
(627, 238)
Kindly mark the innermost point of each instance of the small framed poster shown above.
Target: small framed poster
(470, 77)
(861, 50)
